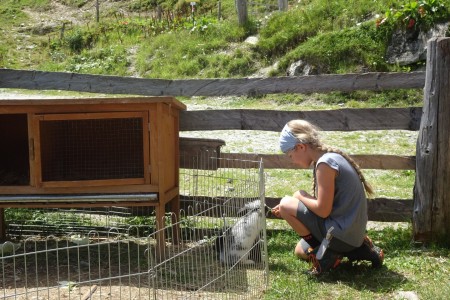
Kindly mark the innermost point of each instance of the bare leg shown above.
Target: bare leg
(288, 211)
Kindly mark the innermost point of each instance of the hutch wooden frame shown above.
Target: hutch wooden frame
(26, 129)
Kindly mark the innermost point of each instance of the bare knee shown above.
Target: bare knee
(285, 201)
(288, 205)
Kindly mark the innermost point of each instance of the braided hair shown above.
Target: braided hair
(307, 133)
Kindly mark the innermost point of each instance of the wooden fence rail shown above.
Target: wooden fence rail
(380, 209)
(328, 120)
(38, 80)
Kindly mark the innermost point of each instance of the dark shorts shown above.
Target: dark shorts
(316, 226)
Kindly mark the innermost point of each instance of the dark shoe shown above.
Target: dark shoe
(330, 260)
(376, 253)
(367, 251)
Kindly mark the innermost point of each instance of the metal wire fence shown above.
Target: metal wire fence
(214, 245)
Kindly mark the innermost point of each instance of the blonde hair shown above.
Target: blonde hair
(307, 133)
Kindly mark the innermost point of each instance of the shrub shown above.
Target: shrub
(75, 41)
(415, 15)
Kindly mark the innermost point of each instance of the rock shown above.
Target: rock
(265, 72)
(406, 295)
(410, 46)
(252, 40)
(300, 67)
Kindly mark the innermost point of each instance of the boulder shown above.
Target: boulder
(300, 68)
(410, 46)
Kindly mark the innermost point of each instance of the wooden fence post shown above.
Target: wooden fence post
(241, 7)
(97, 11)
(431, 217)
(282, 5)
(219, 10)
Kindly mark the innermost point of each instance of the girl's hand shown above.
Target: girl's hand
(276, 211)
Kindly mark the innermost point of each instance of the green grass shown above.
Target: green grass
(407, 267)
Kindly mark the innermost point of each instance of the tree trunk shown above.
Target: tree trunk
(431, 217)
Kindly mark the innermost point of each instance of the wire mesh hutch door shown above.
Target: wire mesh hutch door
(91, 148)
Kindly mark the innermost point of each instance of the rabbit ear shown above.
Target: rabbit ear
(250, 206)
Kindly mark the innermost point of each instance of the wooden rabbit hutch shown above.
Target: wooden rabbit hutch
(89, 152)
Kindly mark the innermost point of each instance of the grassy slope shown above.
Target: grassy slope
(336, 37)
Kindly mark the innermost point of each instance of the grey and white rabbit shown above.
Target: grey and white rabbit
(240, 243)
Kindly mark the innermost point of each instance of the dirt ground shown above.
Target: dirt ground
(50, 269)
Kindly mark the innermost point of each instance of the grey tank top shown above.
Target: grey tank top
(349, 213)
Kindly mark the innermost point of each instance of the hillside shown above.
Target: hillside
(140, 39)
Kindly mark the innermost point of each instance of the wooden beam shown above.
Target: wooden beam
(328, 120)
(200, 153)
(380, 209)
(281, 161)
(40, 80)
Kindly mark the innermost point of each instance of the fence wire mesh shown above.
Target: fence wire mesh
(214, 245)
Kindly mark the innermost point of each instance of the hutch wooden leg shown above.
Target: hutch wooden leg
(2, 225)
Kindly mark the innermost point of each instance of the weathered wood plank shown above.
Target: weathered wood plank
(390, 210)
(39, 80)
(193, 156)
(328, 120)
(431, 219)
(380, 209)
(280, 161)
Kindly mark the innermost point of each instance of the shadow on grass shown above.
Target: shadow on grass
(363, 277)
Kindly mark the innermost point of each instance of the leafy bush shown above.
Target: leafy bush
(79, 40)
(416, 15)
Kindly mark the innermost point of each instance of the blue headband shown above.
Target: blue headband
(287, 139)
